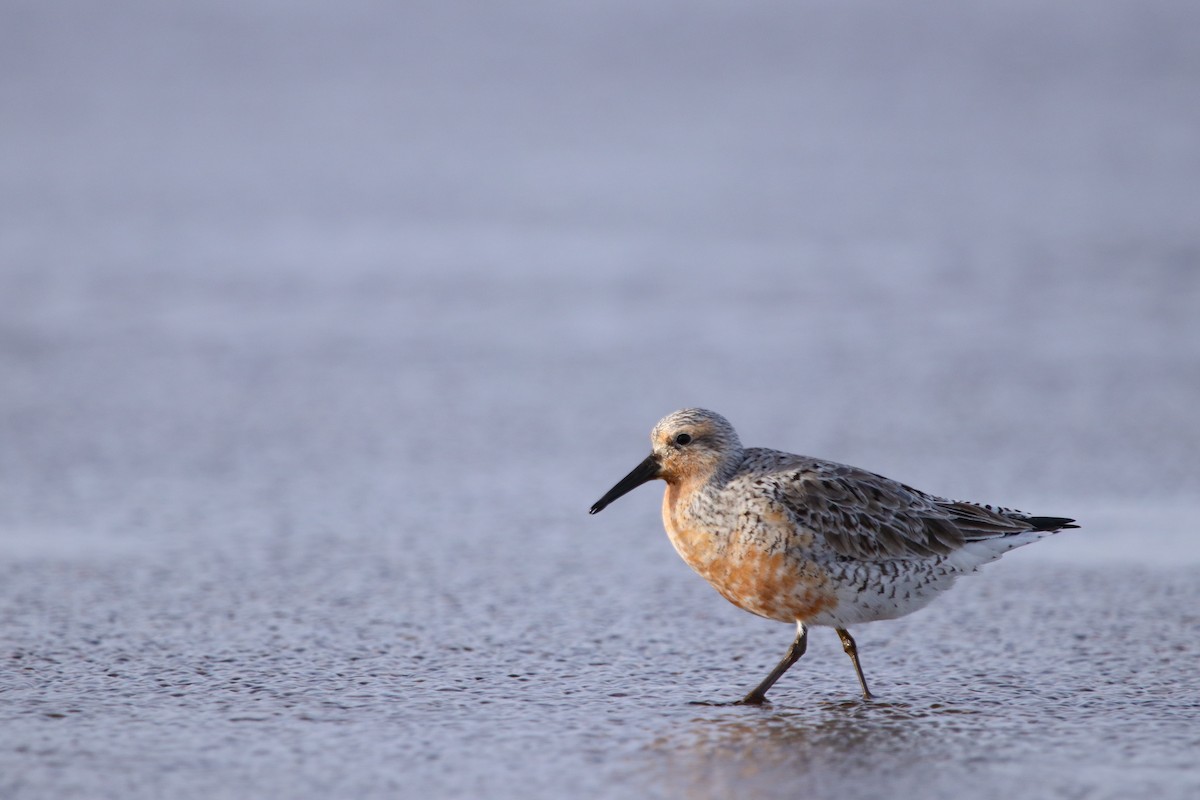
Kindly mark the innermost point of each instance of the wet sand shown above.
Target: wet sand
(318, 338)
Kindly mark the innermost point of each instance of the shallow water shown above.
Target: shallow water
(319, 334)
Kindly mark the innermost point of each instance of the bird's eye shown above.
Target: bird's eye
(683, 438)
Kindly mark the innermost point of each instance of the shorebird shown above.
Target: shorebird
(813, 542)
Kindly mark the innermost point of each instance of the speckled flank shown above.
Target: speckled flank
(813, 542)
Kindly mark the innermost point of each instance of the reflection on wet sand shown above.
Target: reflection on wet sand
(1040, 708)
(732, 752)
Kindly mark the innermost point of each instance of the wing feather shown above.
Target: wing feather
(866, 516)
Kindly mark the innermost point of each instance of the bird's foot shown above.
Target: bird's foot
(748, 700)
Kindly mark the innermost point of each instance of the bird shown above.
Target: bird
(813, 542)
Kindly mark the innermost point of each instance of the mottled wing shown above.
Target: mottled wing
(866, 516)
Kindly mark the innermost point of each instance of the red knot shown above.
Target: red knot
(813, 542)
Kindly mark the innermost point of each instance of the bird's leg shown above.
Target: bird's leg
(756, 697)
(852, 651)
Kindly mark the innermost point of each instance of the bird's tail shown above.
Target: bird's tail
(987, 546)
(1051, 524)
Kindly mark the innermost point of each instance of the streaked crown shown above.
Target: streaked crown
(696, 443)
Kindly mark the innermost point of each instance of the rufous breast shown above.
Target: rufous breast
(771, 580)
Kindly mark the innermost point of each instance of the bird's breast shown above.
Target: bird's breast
(753, 568)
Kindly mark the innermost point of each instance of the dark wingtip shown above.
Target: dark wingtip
(596, 509)
(1051, 523)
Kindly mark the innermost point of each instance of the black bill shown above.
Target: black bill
(643, 472)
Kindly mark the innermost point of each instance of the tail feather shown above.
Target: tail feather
(1051, 523)
(980, 550)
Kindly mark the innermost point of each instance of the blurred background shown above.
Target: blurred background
(322, 325)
